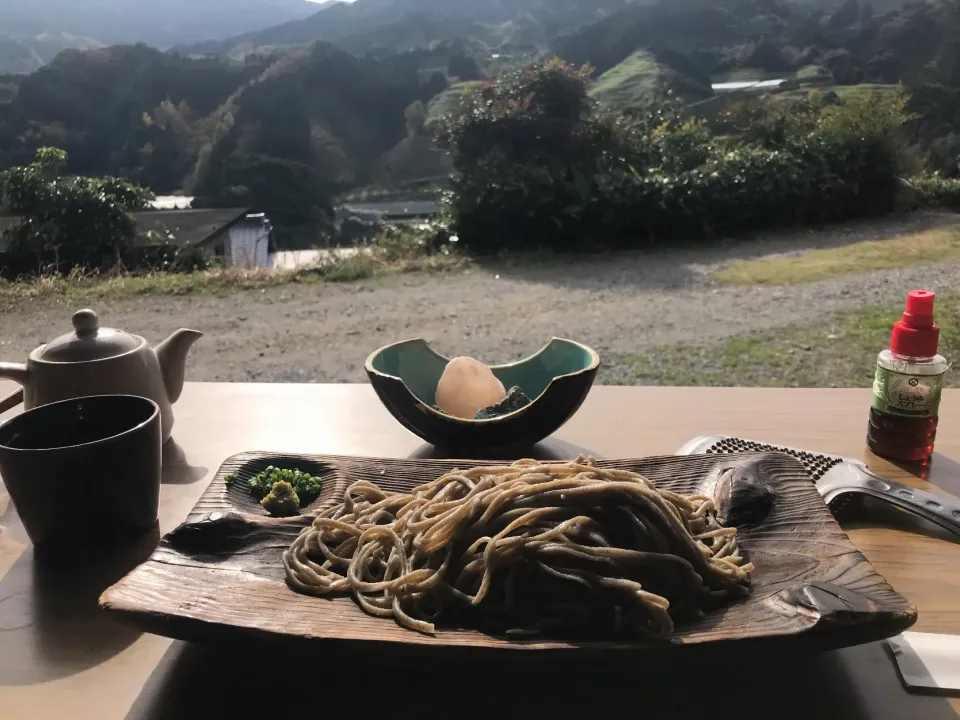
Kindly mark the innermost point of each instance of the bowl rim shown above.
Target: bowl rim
(594, 364)
(28, 415)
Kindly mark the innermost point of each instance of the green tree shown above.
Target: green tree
(433, 87)
(291, 194)
(94, 106)
(465, 67)
(68, 221)
(526, 149)
(416, 117)
(844, 66)
(770, 122)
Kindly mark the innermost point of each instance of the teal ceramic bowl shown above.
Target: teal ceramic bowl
(557, 379)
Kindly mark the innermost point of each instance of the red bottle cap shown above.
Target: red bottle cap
(916, 335)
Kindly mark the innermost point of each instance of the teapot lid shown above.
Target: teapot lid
(88, 341)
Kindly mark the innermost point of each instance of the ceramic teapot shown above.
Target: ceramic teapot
(102, 361)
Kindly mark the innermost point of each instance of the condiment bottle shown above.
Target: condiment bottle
(909, 380)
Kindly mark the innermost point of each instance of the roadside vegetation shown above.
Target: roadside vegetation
(395, 252)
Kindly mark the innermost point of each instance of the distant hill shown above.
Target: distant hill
(633, 84)
(9, 87)
(333, 112)
(413, 158)
(695, 28)
(850, 42)
(34, 31)
(636, 82)
(389, 26)
(25, 55)
(850, 38)
(125, 110)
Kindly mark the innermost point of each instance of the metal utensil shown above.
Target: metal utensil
(840, 480)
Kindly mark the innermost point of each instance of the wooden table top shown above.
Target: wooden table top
(60, 657)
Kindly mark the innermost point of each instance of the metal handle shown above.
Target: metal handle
(945, 513)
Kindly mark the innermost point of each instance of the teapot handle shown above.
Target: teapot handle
(14, 371)
(19, 374)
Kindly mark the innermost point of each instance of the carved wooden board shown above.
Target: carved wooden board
(219, 577)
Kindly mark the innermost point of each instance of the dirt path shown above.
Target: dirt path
(618, 305)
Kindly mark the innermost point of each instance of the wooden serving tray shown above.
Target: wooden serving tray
(219, 577)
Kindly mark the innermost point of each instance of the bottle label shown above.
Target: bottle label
(909, 395)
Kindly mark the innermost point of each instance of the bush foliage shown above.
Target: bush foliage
(68, 221)
(290, 193)
(537, 164)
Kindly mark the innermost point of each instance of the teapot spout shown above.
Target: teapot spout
(172, 354)
(14, 371)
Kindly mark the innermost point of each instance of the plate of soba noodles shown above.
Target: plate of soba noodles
(665, 554)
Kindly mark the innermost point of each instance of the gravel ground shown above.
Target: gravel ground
(620, 305)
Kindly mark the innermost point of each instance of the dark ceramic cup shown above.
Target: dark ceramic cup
(85, 471)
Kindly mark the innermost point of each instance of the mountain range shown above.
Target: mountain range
(32, 32)
(389, 26)
(35, 31)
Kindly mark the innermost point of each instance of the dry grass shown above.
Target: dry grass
(914, 250)
(79, 286)
(838, 351)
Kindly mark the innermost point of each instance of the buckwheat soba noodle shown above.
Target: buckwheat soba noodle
(529, 548)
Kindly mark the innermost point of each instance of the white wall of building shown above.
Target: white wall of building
(172, 202)
(248, 245)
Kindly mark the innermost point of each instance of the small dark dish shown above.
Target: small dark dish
(84, 471)
(557, 378)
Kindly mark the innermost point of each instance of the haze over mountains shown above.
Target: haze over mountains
(397, 25)
(32, 32)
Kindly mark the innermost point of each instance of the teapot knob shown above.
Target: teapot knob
(86, 322)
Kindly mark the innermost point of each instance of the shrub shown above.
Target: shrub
(168, 256)
(68, 222)
(396, 243)
(770, 122)
(938, 191)
(291, 194)
(536, 164)
(526, 151)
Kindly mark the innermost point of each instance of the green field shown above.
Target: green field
(846, 92)
(851, 91)
(746, 74)
(448, 101)
(635, 82)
